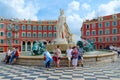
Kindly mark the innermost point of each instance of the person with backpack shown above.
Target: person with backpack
(14, 55)
(48, 59)
(80, 56)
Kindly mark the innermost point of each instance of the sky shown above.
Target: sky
(76, 11)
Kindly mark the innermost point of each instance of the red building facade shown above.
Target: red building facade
(23, 33)
(103, 31)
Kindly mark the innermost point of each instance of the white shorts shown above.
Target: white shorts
(74, 61)
(69, 58)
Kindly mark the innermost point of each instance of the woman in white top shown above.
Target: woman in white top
(68, 51)
(8, 54)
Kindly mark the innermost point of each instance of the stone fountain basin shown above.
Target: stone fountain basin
(88, 59)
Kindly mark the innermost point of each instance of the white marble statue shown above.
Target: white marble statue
(60, 25)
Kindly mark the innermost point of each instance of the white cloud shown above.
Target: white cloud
(19, 9)
(74, 22)
(73, 6)
(109, 8)
(90, 15)
(104, 9)
(86, 6)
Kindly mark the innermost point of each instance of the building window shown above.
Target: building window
(23, 27)
(9, 34)
(87, 26)
(34, 34)
(93, 26)
(1, 41)
(34, 28)
(55, 35)
(114, 16)
(1, 49)
(100, 39)
(107, 39)
(1, 33)
(39, 27)
(16, 27)
(9, 41)
(44, 28)
(107, 31)
(9, 27)
(54, 28)
(50, 28)
(93, 32)
(39, 22)
(29, 34)
(45, 35)
(39, 34)
(114, 38)
(16, 35)
(49, 34)
(114, 31)
(100, 32)
(28, 21)
(23, 34)
(28, 27)
(100, 18)
(49, 22)
(87, 33)
(100, 25)
(94, 40)
(107, 24)
(16, 42)
(114, 23)
(1, 26)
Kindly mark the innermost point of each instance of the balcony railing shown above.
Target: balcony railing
(9, 37)
(9, 29)
(15, 30)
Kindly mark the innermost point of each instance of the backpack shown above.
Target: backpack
(13, 53)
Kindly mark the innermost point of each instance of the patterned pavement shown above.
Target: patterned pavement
(110, 71)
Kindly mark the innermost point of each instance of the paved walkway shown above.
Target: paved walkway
(110, 71)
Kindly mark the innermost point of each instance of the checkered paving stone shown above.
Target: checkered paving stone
(110, 71)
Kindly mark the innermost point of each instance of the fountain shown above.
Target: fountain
(62, 41)
(90, 57)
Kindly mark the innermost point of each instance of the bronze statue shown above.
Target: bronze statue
(38, 48)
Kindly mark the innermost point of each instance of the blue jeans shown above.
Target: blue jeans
(11, 59)
(47, 65)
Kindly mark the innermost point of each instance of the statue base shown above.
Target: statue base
(60, 41)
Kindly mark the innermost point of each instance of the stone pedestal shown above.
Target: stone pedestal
(60, 41)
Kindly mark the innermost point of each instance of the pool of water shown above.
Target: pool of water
(96, 52)
(64, 54)
(29, 54)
